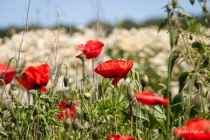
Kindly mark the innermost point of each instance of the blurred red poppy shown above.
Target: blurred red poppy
(91, 49)
(35, 77)
(66, 112)
(10, 73)
(149, 98)
(118, 137)
(195, 129)
(116, 69)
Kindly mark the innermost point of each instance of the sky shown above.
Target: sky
(80, 12)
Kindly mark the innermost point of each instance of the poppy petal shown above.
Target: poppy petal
(91, 49)
(6, 73)
(149, 98)
(117, 69)
(35, 77)
(43, 89)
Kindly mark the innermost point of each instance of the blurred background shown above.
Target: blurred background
(71, 13)
(128, 28)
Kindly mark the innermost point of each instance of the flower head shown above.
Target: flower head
(118, 137)
(66, 112)
(116, 69)
(91, 49)
(35, 77)
(6, 74)
(149, 98)
(195, 129)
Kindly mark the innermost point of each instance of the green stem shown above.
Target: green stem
(168, 134)
(191, 85)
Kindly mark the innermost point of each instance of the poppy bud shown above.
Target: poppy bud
(95, 134)
(144, 80)
(17, 73)
(197, 101)
(76, 124)
(69, 104)
(87, 95)
(78, 111)
(191, 37)
(107, 118)
(192, 1)
(129, 93)
(83, 57)
(66, 81)
(205, 9)
(169, 7)
(67, 123)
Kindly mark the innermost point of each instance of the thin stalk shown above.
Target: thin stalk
(190, 91)
(168, 132)
(26, 26)
(115, 112)
(82, 92)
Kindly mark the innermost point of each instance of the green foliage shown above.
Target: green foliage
(183, 80)
(102, 108)
(177, 104)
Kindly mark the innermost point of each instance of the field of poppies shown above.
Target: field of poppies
(138, 84)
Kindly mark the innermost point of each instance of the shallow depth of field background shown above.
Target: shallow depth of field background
(129, 30)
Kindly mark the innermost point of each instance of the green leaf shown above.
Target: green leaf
(198, 45)
(192, 1)
(3, 134)
(174, 3)
(183, 14)
(162, 24)
(182, 80)
(155, 122)
(121, 98)
(175, 56)
(179, 7)
(173, 34)
(177, 104)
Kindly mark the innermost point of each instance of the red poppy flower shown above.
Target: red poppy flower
(149, 98)
(116, 69)
(195, 129)
(10, 73)
(35, 77)
(118, 137)
(91, 49)
(66, 112)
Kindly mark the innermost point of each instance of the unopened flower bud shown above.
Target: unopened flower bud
(77, 111)
(83, 57)
(66, 81)
(144, 80)
(197, 101)
(87, 95)
(169, 7)
(69, 104)
(17, 73)
(67, 123)
(76, 124)
(205, 9)
(95, 134)
(129, 93)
